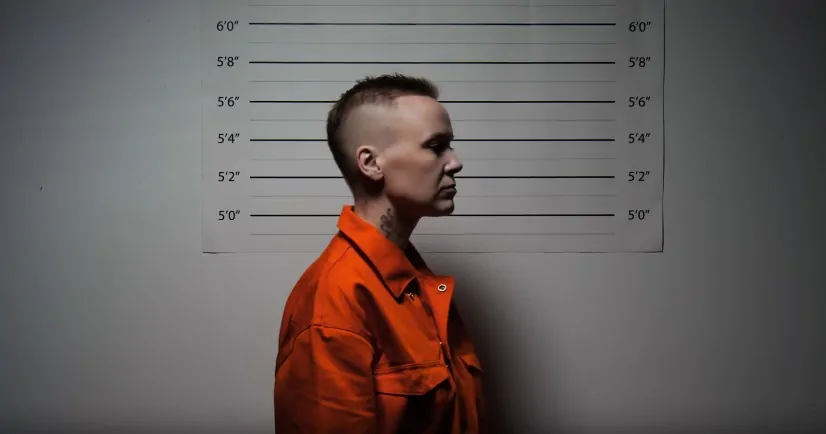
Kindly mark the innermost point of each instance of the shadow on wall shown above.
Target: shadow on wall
(496, 338)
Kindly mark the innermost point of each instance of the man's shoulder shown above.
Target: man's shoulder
(330, 292)
(338, 269)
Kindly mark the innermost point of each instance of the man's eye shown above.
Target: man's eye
(440, 146)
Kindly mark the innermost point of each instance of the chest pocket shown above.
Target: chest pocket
(412, 397)
(410, 380)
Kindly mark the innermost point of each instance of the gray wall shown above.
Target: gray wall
(110, 316)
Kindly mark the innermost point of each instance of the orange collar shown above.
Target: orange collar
(396, 267)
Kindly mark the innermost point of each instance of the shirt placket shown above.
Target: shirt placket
(422, 302)
(437, 294)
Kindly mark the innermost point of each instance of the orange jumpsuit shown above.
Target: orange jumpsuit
(371, 343)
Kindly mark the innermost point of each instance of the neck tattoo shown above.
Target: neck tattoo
(388, 227)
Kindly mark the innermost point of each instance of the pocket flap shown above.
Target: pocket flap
(410, 380)
(471, 360)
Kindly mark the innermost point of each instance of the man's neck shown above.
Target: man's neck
(381, 214)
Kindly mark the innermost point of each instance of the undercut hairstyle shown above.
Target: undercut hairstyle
(380, 90)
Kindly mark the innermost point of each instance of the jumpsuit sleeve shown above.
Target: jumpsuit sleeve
(325, 384)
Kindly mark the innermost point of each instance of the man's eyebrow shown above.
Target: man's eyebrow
(442, 135)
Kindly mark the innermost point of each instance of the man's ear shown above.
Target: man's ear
(367, 159)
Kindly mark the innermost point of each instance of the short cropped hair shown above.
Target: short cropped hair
(382, 89)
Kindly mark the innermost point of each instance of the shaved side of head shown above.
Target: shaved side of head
(363, 116)
(367, 125)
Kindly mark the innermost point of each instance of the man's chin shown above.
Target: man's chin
(443, 207)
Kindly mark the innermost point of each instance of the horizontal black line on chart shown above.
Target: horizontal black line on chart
(461, 121)
(454, 120)
(430, 62)
(557, 140)
(457, 177)
(455, 101)
(443, 81)
(430, 5)
(431, 43)
(430, 24)
(433, 234)
(328, 196)
(458, 215)
(462, 158)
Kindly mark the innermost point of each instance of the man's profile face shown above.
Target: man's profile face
(419, 165)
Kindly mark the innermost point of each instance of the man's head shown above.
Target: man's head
(391, 138)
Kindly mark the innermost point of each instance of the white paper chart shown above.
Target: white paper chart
(557, 108)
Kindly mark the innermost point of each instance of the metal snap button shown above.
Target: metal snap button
(442, 287)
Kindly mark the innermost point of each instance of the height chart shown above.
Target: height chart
(557, 108)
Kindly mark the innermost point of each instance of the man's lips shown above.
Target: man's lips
(451, 190)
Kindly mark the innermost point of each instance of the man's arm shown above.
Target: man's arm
(325, 384)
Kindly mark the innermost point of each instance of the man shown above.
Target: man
(370, 340)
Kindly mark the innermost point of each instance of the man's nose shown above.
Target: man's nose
(454, 164)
